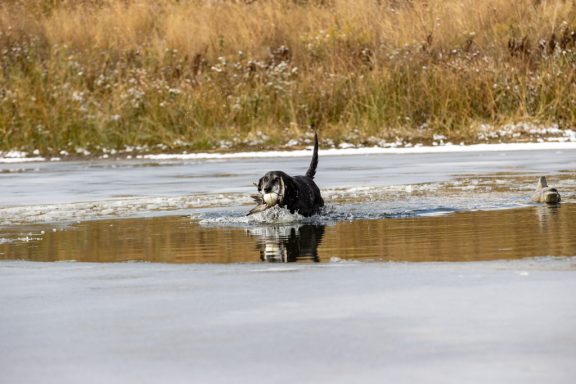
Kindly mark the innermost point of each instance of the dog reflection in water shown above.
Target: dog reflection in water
(288, 243)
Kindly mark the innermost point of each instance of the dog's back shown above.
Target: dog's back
(308, 200)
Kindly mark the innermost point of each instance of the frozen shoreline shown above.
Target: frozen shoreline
(21, 157)
(498, 322)
(446, 148)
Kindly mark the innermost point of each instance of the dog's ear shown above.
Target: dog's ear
(259, 185)
(282, 188)
(286, 188)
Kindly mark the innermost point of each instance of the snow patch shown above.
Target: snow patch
(18, 157)
(370, 151)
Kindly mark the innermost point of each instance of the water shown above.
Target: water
(217, 293)
(28, 184)
(462, 236)
(416, 207)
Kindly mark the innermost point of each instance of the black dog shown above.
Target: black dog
(297, 194)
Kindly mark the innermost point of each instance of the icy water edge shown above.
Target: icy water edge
(328, 318)
(418, 207)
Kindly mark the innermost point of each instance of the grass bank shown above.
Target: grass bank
(207, 74)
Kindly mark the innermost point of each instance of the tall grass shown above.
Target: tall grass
(115, 73)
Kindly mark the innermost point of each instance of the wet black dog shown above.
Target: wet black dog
(295, 193)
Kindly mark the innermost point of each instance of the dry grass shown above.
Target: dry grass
(115, 73)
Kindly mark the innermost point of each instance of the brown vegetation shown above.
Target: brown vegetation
(201, 74)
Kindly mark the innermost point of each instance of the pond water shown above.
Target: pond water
(461, 236)
(172, 281)
(417, 207)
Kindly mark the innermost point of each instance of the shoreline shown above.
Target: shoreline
(12, 157)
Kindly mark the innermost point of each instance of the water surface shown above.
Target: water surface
(461, 236)
(402, 207)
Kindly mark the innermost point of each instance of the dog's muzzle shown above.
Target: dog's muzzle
(273, 196)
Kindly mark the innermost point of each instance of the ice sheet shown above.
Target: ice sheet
(490, 322)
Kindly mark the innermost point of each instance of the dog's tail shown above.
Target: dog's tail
(314, 163)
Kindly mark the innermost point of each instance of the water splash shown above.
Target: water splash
(465, 193)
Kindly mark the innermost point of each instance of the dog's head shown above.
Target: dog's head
(274, 181)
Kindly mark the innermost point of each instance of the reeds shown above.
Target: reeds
(207, 74)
